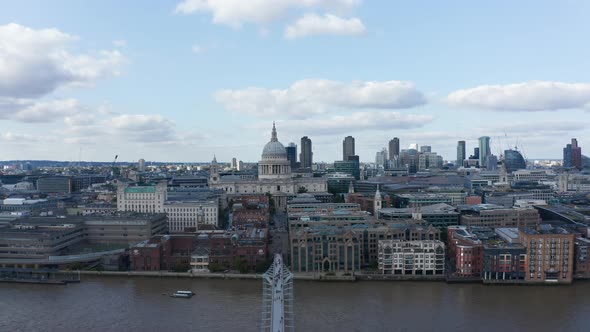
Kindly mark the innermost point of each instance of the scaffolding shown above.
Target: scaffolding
(277, 298)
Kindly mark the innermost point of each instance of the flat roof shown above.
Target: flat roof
(141, 189)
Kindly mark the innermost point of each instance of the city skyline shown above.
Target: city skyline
(182, 81)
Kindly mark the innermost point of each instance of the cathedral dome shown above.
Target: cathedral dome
(274, 163)
(274, 149)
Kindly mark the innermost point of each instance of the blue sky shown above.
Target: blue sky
(183, 80)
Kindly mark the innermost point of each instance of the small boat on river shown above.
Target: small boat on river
(183, 294)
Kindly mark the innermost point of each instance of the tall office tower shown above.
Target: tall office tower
(141, 165)
(240, 165)
(356, 166)
(409, 159)
(567, 156)
(381, 158)
(234, 163)
(476, 153)
(292, 154)
(484, 150)
(394, 148)
(576, 154)
(460, 153)
(347, 147)
(306, 156)
(492, 163)
(425, 149)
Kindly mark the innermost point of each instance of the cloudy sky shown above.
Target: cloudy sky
(183, 80)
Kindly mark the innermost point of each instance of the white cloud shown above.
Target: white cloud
(29, 110)
(143, 127)
(356, 122)
(313, 24)
(111, 129)
(48, 111)
(314, 96)
(120, 43)
(238, 12)
(83, 119)
(17, 138)
(36, 62)
(527, 96)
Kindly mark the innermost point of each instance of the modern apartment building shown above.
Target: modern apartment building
(424, 257)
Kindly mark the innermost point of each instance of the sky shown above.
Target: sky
(185, 80)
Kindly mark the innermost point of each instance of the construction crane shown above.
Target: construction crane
(113, 166)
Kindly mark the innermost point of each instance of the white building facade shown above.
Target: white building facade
(146, 199)
(425, 257)
(191, 215)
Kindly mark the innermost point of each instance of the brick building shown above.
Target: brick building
(581, 263)
(163, 252)
(465, 252)
(489, 215)
(550, 254)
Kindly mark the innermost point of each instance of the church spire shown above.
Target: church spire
(274, 138)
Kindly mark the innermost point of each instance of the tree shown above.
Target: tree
(262, 266)
(214, 267)
(301, 190)
(240, 265)
(182, 267)
(374, 265)
(443, 234)
(271, 204)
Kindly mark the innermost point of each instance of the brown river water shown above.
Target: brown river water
(143, 304)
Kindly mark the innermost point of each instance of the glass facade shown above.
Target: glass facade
(513, 160)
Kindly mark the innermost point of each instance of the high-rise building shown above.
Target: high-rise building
(292, 154)
(381, 158)
(484, 150)
(394, 148)
(306, 156)
(513, 161)
(234, 164)
(240, 165)
(409, 160)
(347, 147)
(492, 163)
(141, 165)
(572, 155)
(425, 149)
(567, 156)
(429, 160)
(460, 153)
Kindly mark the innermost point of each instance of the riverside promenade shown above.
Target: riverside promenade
(166, 274)
(252, 276)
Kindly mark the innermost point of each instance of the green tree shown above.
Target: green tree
(240, 265)
(443, 234)
(374, 265)
(214, 267)
(262, 266)
(271, 204)
(182, 267)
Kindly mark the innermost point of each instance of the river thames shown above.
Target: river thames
(143, 304)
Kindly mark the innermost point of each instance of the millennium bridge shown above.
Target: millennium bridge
(277, 298)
